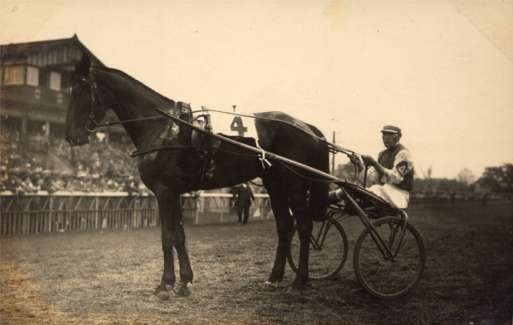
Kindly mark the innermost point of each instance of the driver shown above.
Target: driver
(392, 172)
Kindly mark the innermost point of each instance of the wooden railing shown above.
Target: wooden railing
(75, 211)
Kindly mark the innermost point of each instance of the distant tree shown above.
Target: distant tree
(498, 179)
(466, 176)
(428, 185)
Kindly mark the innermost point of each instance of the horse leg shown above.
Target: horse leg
(298, 204)
(284, 227)
(165, 212)
(186, 274)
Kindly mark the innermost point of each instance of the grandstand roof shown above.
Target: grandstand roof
(23, 50)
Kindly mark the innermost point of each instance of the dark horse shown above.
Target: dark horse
(184, 163)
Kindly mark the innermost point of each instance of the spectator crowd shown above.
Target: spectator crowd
(27, 165)
(100, 166)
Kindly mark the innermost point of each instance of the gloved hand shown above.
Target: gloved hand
(354, 159)
(368, 160)
(357, 161)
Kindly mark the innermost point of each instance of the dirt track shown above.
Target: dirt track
(109, 277)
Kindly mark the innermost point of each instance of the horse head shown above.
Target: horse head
(84, 109)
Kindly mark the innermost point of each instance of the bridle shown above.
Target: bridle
(91, 125)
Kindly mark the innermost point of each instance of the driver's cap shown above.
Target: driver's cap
(391, 129)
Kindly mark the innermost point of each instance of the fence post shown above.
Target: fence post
(26, 218)
(197, 209)
(96, 211)
(49, 221)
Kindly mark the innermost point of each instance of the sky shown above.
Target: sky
(442, 70)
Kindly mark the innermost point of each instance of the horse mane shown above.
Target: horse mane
(137, 82)
(277, 116)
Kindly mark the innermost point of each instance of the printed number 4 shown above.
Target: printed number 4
(238, 126)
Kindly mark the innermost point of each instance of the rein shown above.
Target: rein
(137, 153)
(333, 148)
(108, 124)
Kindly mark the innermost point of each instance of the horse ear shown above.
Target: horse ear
(84, 65)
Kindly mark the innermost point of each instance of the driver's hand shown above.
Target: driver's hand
(368, 160)
(355, 160)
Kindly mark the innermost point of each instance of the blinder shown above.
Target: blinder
(92, 125)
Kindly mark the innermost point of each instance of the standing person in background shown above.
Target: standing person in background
(484, 199)
(243, 197)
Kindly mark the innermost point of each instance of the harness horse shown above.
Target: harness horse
(170, 163)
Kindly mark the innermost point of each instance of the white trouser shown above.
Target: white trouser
(392, 194)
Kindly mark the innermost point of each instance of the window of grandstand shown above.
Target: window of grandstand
(55, 81)
(32, 76)
(14, 75)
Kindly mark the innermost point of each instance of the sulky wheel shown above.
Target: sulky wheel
(386, 275)
(328, 249)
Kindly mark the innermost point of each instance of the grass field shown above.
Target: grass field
(109, 277)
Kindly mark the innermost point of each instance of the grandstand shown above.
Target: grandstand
(34, 157)
(46, 185)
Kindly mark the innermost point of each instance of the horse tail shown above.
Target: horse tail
(292, 138)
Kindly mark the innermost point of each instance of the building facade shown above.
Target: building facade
(35, 85)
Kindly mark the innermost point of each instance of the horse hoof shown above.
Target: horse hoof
(163, 291)
(183, 290)
(163, 287)
(273, 285)
(163, 295)
(295, 291)
(270, 284)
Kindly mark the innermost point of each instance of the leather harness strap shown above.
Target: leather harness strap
(161, 148)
